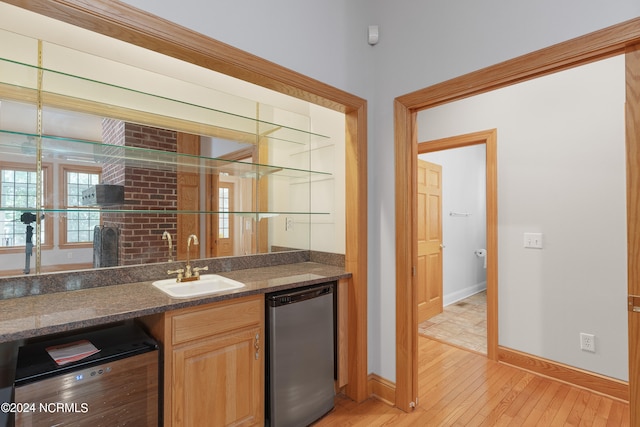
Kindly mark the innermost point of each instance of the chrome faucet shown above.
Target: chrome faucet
(167, 236)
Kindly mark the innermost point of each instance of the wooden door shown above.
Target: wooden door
(429, 233)
(225, 235)
(246, 201)
(218, 382)
(188, 193)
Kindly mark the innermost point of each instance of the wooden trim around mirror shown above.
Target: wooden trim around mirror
(126, 23)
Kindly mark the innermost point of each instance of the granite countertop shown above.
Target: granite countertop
(27, 317)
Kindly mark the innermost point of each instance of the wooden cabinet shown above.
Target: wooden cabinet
(213, 363)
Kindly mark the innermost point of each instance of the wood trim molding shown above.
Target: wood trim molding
(356, 259)
(490, 139)
(382, 389)
(632, 113)
(588, 48)
(342, 317)
(611, 387)
(406, 153)
(124, 22)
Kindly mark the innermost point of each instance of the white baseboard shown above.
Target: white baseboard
(456, 296)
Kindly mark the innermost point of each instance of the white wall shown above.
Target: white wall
(463, 192)
(561, 172)
(421, 43)
(328, 192)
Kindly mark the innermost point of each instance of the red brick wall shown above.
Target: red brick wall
(150, 185)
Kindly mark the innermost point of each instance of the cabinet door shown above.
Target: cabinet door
(219, 382)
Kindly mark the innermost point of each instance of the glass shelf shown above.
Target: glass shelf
(62, 89)
(68, 149)
(105, 210)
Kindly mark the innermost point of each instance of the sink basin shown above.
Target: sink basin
(208, 284)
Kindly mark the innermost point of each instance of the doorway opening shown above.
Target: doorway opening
(459, 315)
(593, 47)
(485, 142)
(406, 256)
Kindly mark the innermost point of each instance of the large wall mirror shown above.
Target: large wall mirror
(112, 155)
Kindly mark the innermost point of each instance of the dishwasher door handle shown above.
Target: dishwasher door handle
(298, 296)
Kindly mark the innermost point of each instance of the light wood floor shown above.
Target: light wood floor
(462, 388)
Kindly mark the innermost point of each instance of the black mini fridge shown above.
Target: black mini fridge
(117, 386)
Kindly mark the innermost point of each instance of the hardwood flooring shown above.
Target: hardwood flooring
(463, 388)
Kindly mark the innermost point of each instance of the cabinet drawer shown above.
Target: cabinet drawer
(216, 318)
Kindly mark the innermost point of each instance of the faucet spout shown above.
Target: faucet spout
(192, 238)
(167, 236)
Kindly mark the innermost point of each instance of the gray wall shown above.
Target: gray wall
(561, 172)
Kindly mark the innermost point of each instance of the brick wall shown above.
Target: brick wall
(150, 185)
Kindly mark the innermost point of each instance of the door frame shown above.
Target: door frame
(490, 140)
(623, 38)
(211, 188)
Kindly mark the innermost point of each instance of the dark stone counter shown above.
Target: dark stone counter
(37, 315)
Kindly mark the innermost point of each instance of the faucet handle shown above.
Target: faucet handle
(179, 272)
(197, 270)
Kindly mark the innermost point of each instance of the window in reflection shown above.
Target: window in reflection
(18, 190)
(80, 223)
(223, 219)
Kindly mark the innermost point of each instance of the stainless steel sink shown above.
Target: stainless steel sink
(208, 284)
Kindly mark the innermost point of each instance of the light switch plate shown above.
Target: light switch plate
(533, 240)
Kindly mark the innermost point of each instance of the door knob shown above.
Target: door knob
(442, 246)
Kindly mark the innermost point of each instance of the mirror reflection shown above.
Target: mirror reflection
(111, 155)
(125, 193)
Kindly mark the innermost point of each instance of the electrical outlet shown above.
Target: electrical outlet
(587, 342)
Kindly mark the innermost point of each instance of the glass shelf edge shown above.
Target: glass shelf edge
(164, 98)
(262, 168)
(156, 211)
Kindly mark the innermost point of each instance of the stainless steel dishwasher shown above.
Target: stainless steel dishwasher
(300, 355)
